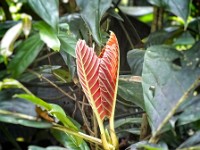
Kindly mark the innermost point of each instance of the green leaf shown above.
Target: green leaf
(69, 61)
(191, 141)
(59, 113)
(131, 90)
(92, 12)
(7, 42)
(48, 35)
(168, 75)
(135, 60)
(178, 7)
(124, 121)
(27, 51)
(25, 122)
(135, 131)
(148, 146)
(53, 109)
(47, 10)
(34, 100)
(68, 43)
(47, 148)
(68, 141)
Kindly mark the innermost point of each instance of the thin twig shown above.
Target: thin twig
(85, 120)
(40, 76)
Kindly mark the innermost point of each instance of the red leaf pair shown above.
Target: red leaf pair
(98, 75)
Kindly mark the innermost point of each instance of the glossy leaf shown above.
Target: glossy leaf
(178, 7)
(53, 109)
(98, 75)
(191, 141)
(7, 42)
(31, 147)
(92, 12)
(27, 51)
(68, 141)
(25, 122)
(47, 10)
(163, 74)
(68, 43)
(48, 36)
(135, 60)
(131, 90)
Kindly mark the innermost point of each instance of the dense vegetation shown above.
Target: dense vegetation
(42, 105)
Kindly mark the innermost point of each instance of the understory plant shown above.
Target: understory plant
(100, 74)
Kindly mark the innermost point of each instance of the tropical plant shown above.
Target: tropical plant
(141, 81)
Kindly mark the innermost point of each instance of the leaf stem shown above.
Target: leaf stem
(154, 138)
(79, 134)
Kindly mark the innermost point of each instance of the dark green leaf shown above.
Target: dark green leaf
(47, 10)
(77, 25)
(191, 141)
(69, 61)
(68, 141)
(131, 90)
(123, 121)
(178, 7)
(185, 39)
(135, 60)
(53, 109)
(92, 12)
(25, 122)
(135, 131)
(166, 78)
(148, 146)
(48, 35)
(47, 148)
(68, 43)
(27, 51)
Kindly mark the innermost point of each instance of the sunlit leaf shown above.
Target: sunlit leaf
(7, 42)
(47, 10)
(48, 35)
(27, 51)
(47, 148)
(27, 23)
(68, 43)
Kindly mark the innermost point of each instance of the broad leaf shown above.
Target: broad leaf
(7, 42)
(48, 35)
(191, 141)
(98, 75)
(167, 79)
(131, 90)
(27, 51)
(47, 10)
(135, 60)
(148, 146)
(68, 43)
(178, 7)
(92, 12)
(68, 141)
(25, 122)
(47, 148)
(53, 109)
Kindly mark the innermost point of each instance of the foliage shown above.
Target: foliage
(159, 82)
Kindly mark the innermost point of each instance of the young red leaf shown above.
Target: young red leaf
(98, 75)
